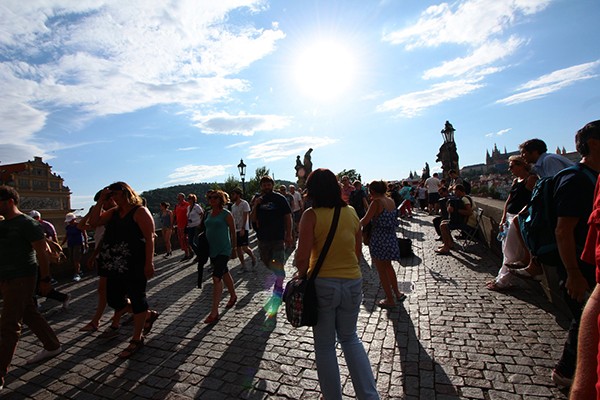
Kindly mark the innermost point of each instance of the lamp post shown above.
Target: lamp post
(242, 168)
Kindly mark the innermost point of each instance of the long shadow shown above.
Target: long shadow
(245, 352)
(421, 377)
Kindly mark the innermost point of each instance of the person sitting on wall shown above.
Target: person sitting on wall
(460, 209)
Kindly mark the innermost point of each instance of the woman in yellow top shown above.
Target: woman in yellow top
(338, 286)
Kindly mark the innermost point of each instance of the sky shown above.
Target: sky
(158, 93)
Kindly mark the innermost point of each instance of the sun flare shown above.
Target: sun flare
(325, 70)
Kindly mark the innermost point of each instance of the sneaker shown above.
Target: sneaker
(560, 380)
(1, 382)
(53, 281)
(76, 278)
(65, 305)
(43, 355)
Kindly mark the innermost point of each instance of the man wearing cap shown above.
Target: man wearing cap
(21, 240)
(47, 227)
(273, 217)
(76, 240)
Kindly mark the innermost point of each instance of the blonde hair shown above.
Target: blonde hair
(519, 161)
(132, 197)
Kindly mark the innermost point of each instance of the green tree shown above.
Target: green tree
(253, 185)
(230, 184)
(351, 173)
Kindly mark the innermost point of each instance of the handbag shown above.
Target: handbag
(300, 296)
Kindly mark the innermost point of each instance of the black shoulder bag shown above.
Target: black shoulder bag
(301, 305)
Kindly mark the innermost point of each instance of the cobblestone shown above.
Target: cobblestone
(451, 339)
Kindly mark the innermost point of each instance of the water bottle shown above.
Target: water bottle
(502, 234)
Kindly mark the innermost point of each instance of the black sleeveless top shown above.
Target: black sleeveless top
(519, 196)
(123, 251)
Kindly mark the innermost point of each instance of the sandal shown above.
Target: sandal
(150, 322)
(134, 347)
(385, 304)
(89, 327)
(231, 302)
(110, 332)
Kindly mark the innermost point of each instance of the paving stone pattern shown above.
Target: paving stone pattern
(451, 339)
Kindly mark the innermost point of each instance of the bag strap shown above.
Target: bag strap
(325, 249)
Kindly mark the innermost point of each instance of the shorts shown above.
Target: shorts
(433, 198)
(241, 240)
(75, 252)
(297, 215)
(119, 289)
(272, 254)
(219, 264)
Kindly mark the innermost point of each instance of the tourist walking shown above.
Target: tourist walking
(338, 286)
(383, 246)
(220, 233)
(166, 221)
(127, 254)
(22, 242)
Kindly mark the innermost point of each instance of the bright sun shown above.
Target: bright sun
(324, 70)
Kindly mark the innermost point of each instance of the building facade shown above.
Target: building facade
(40, 189)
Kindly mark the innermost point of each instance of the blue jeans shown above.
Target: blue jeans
(339, 304)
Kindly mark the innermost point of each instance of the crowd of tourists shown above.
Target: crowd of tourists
(284, 218)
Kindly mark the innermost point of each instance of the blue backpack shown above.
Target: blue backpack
(539, 222)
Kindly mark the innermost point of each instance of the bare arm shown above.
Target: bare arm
(371, 212)
(42, 257)
(245, 219)
(576, 284)
(584, 386)
(232, 235)
(306, 234)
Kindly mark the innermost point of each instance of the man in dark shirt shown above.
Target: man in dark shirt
(21, 239)
(273, 217)
(573, 197)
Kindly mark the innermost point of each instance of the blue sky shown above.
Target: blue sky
(158, 93)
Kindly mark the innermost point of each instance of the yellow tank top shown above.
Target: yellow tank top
(341, 260)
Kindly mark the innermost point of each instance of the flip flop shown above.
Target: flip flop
(516, 265)
(442, 252)
(134, 347)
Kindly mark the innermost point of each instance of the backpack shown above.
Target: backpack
(538, 223)
(467, 186)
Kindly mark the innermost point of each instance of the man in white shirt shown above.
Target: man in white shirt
(241, 213)
(433, 185)
(297, 207)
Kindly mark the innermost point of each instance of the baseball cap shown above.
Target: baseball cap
(70, 217)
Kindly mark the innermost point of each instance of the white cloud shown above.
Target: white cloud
(196, 173)
(241, 124)
(282, 148)
(552, 82)
(473, 64)
(238, 144)
(111, 57)
(464, 22)
(499, 133)
(412, 104)
(187, 148)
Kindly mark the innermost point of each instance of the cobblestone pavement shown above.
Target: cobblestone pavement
(451, 339)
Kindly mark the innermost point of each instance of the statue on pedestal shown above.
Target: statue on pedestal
(303, 170)
(448, 155)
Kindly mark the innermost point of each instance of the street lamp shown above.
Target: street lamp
(242, 168)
